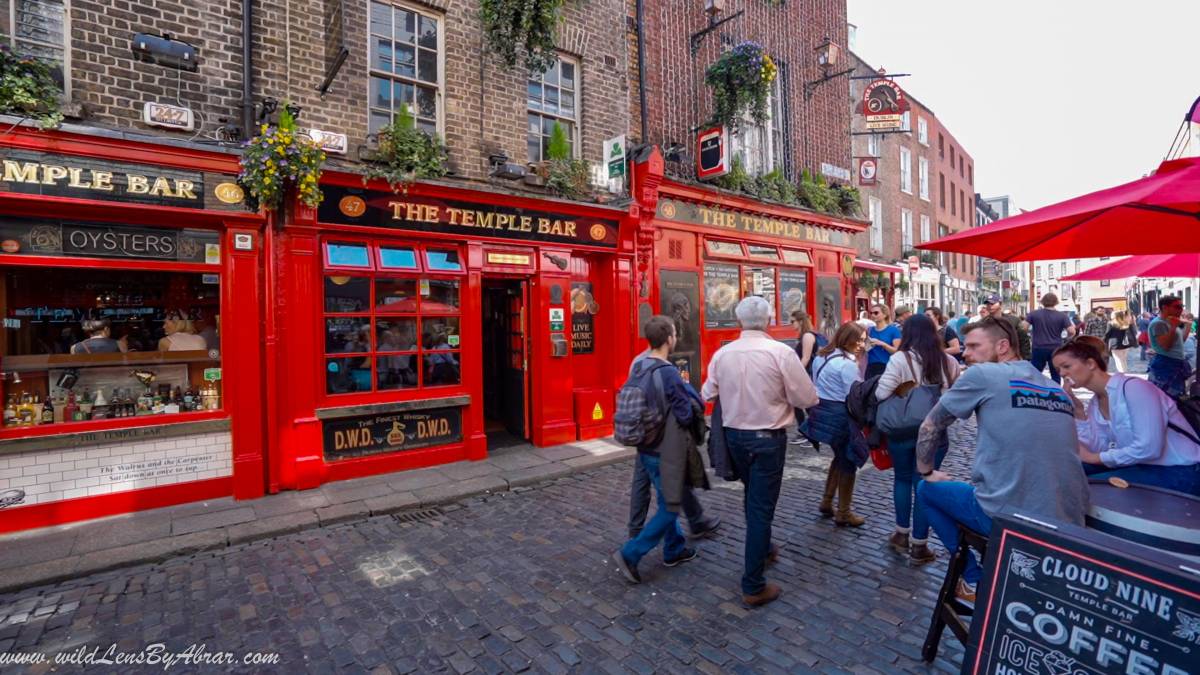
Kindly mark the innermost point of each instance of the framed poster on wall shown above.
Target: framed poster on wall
(679, 299)
(829, 305)
(720, 295)
(793, 293)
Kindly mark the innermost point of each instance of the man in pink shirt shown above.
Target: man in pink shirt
(759, 381)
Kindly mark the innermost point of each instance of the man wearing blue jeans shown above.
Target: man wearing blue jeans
(760, 382)
(1026, 456)
(681, 403)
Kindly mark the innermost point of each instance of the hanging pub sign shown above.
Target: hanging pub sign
(868, 168)
(355, 206)
(712, 216)
(391, 432)
(55, 175)
(583, 311)
(712, 153)
(884, 105)
(21, 236)
(1062, 599)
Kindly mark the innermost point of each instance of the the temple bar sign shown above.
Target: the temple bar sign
(750, 223)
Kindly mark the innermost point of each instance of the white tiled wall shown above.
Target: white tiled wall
(51, 475)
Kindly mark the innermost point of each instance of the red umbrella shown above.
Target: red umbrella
(1170, 265)
(1156, 214)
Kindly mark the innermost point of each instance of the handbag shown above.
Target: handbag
(880, 457)
(903, 412)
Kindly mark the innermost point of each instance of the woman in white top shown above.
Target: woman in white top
(180, 336)
(835, 368)
(920, 360)
(1131, 429)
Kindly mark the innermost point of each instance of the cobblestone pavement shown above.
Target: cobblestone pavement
(519, 581)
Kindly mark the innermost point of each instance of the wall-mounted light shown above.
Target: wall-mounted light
(165, 50)
(828, 54)
(502, 168)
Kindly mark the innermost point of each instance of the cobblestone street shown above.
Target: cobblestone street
(520, 581)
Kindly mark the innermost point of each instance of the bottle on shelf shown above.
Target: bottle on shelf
(48, 411)
(10, 411)
(37, 409)
(85, 404)
(71, 409)
(25, 410)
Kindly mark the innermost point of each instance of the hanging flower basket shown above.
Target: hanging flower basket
(278, 159)
(522, 31)
(28, 89)
(741, 83)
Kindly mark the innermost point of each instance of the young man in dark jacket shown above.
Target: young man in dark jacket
(682, 407)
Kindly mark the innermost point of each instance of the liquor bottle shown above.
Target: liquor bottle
(10, 411)
(85, 404)
(48, 412)
(25, 410)
(71, 409)
(189, 399)
(100, 406)
(37, 408)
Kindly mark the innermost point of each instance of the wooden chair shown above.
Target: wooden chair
(949, 610)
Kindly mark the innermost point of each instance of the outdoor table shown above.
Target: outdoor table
(1155, 517)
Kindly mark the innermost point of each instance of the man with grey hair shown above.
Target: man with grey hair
(759, 381)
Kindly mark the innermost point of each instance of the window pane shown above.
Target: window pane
(395, 335)
(443, 260)
(397, 258)
(441, 368)
(406, 61)
(347, 294)
(396, 372)
(381, 93)
(551, 75)
(427, 102)
(428, 66)
(442, 296)
(535, 124)
(566, 104)
(347, 334)
(568, 75)
(429, 33)
(396, 295)
(534, 149)
(724, 247)
(440, 332)
(428, 126)
(347, 375)
(406, 26)
(382, 55)
(762, 251)
(535, 95)
(551, 99)
(381, 19)
(379, 120)
(403, 94)
(548, 125)
(348, 255)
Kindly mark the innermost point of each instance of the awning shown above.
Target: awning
(1182, 265)
(879, 267)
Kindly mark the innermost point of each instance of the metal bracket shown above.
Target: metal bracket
(811, 87)
(713, 24)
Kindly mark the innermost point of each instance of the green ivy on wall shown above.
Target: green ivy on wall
(406, 153)
(522, 31)
(28, 89)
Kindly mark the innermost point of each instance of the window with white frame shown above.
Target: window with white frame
(906, 122)
(760, 146)
(875, 214)
(553, 98)
(38, 28)
(906, 230)
(905, 170)
(406, 65)
(922, 131)
(923, 177)
(873, 145)
(924, 228)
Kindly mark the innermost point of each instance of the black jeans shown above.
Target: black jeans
(1041, 359)
(639, 504)
(758, 457)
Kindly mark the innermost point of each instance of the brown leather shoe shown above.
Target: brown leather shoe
(899, 542)
(921, 554)
(769, 593)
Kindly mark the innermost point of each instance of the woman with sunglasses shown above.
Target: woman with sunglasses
(883, 339)
(1131, 429)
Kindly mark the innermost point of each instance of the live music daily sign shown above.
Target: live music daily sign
(1072, 601)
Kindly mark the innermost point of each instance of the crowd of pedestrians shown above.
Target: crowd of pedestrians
(918, 375)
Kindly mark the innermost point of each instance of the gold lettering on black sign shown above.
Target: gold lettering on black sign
(94, 179)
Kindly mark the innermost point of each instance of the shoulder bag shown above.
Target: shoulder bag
(901, 413)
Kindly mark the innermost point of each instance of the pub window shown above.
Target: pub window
(760, 281)
(759, 147)
(347, 255)
(730, 248)
(796, 257)
(39, 28)
(553, 98)
(395, 326)
(405, 64)
(82, 344)
(766, 252)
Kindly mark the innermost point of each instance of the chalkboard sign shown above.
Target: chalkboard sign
(391, 432)
(1069, 600)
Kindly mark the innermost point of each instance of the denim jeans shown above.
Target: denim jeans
(758, 457)
(639, 504)
(904, 484)
(1041, 359)
(948, 503)
(663, 526)
(1185, 479)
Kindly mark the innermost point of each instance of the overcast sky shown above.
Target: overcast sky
(1052, 98)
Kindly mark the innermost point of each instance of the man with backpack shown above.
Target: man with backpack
(760, 382)
(655, 398)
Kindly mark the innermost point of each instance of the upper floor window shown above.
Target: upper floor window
(873, 145)
(922, 131)
(941, 146)
(38, 28)
(952, 161)
(406, 65)
(942, 189)
(970, 174)
(906, 230)
(905, 170)
(906, 122)
(923, 177)
(924, 228)
(953, 203)
(875, 214)
(553, 97)
(761, 147)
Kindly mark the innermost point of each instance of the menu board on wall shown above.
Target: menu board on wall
(1070, 600)
(583, 327)
(391, 432)
(793, 293)
(679, 299)
(720, 295)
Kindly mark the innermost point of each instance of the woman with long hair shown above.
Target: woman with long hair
(1121, 337)
(835, 368)
(921, 360)
(950, 342)
(807, 344)
(882, 339)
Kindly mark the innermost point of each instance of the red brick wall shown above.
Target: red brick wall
(679, 100)
(961, 188)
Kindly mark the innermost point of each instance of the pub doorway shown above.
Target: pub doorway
(506, 408)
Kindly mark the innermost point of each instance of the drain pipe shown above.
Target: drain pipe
(641, 56)
(247, 70)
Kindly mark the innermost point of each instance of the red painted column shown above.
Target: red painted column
(242, 358)
(551, 396)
